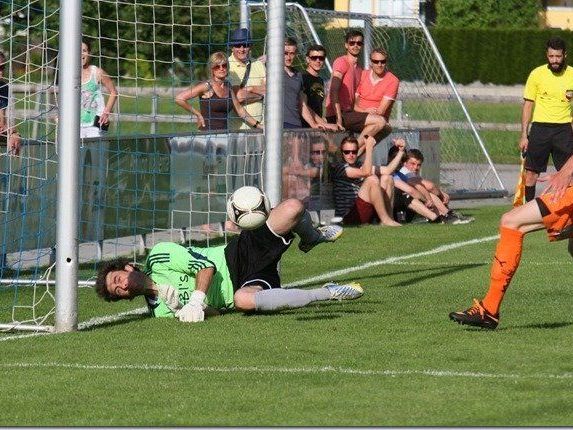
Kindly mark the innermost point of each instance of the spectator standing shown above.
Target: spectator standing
(547, 105)
(94, 119)
(247, 77)
(313, 84)
(294, 100)
(346, 73)
(216, 98)
(358, 195)
(9, 136)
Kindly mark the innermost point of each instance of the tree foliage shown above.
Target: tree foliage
(488, 13)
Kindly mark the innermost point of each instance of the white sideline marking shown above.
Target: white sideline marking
(300, 370)
(389, 260)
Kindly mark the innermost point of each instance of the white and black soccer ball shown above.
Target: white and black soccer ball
(248, 207)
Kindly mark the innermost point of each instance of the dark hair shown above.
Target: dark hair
(109, 266)
(415, 154)
(2, 60)
(88, 45)
(556, 43)
(353, 33)
(392, 153)
(315, 48)
(349, 139)
(291, 41)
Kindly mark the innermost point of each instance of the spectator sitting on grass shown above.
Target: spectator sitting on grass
(407, 198)
(359, 195)
(433, 196)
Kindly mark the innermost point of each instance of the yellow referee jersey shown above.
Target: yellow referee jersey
(547, 90)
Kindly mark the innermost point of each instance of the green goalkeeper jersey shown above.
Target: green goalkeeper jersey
(172, 264)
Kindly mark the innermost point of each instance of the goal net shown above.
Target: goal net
(153, 176)
(427, 100)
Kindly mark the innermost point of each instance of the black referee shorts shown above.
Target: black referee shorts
(253, 257)
(545, 139)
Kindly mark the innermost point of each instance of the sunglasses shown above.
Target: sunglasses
(317, 152)
(378, 61)
(350, 151)
(220, 66)
(242, 45)
(317, 57)
(355, 42)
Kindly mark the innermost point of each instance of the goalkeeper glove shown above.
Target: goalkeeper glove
(170, 296)
(193, 311)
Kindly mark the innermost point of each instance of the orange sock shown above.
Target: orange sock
(505, 263)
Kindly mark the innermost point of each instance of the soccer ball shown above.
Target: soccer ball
(248, 207)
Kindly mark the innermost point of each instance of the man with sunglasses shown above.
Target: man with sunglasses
(313, 84)
(375, 97)
(247, 77)
(362, 191)
(346, 74)
(294, 100)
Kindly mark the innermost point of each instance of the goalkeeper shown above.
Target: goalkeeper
(553, 210)
(242, 275)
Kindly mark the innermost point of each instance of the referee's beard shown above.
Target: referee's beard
(557, 67)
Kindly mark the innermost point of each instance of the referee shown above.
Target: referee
(549, 88)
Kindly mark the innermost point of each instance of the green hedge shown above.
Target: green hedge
(503, 57)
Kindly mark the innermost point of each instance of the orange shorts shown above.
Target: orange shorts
(557, 216)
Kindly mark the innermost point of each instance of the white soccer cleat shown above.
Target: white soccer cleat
(328, 233)
(350, 291)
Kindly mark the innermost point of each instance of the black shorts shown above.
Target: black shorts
(545, 139)
(253, 257)
(401, 200)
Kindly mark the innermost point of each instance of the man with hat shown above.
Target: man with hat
(247, 77)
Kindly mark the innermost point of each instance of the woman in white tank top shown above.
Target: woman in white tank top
(94, 111)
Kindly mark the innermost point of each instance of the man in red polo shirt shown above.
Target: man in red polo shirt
(346, 74)
(375, 97)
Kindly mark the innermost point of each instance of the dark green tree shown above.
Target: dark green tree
(317, 4)
(488, 13)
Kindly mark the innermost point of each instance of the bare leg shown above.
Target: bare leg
(387, 186)
(370, 192)
(420, 208)
(372, 126)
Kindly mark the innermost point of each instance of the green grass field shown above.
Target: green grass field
(391, 358)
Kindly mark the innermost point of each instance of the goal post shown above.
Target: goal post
(155, 176)
(428, 98)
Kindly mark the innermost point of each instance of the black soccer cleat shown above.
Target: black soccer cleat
(476, 316)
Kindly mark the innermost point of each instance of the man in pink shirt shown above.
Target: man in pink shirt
(346, 74)
(374, 99)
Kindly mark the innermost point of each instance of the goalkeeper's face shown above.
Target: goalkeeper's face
(125, 284)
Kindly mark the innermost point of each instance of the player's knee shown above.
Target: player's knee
(509, 220)
(244, 300)
(291, 208)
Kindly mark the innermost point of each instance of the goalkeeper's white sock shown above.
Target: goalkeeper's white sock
(279, 298)
(305, 229)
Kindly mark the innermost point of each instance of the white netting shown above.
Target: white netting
(427, 102)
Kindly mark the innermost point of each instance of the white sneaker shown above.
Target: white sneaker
(350, 291)
(328, 233)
